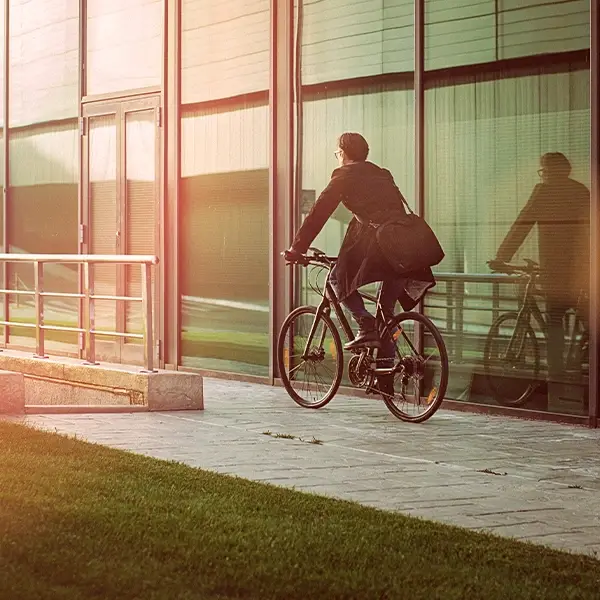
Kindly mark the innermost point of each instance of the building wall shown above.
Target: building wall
(485, 129)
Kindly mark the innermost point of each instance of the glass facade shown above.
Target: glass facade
(487, 197)
(42, 199)
(225, 185)
(167, 138)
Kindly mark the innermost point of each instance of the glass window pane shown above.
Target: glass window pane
(124, 45)
(224, 251)
(225, 186)
(468, 32)
(44, 175)
(356, 39)
(499, 151)
(225, 48)
(44, 60)
(537, 27)
(44, 158)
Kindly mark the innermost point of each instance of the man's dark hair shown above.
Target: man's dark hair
(557, 163)
(354, 145)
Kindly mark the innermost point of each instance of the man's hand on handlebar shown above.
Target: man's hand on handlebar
(497, 265)
(293, 257)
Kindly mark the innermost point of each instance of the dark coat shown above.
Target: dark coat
(369, 192)
(561, 210)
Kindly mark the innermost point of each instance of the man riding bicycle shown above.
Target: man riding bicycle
(371, 195)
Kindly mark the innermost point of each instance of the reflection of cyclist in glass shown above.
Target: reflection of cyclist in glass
(370, 193)
(560, 207)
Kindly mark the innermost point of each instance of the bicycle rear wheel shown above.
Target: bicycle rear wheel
(420, 378)
(310, 357)
(511, 360)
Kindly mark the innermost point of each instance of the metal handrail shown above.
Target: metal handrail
(456, 295)
(146, 262)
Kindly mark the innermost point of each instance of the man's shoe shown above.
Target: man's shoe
(367, 336)
(364, 339)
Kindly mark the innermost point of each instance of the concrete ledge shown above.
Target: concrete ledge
(12, 393)
(69, 409)
(68, 382)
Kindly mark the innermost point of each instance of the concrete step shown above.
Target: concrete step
(66, 382)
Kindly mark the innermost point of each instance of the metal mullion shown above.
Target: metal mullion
(281, 192)
(5, 92)
(123, 95)
(594, 351)
(171, 217)
(121, 223)
(83, 167)
(158, 289)
(419, 94)
(419, 117)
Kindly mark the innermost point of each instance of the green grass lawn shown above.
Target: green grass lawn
(79, 521)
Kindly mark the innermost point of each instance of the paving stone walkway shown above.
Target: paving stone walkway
(530, 480)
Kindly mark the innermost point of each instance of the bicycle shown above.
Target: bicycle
(518, 364)
(309, 340)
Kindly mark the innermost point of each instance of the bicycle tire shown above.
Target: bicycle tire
(444, 364)
(281, 357)
(488, 361)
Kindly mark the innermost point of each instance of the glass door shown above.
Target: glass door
(121, 142)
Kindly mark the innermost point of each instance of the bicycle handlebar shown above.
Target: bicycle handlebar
(316, 257)
(530, 267)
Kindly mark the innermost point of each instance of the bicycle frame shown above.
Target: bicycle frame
(329, 299)
(530, 309)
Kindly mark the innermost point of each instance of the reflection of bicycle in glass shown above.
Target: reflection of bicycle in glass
(311, 362)
(512, 353)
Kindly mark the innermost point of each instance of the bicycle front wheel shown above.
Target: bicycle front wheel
(511, 360)
(310, 357)
(420, 376)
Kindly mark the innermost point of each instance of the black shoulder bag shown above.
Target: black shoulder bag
(408, 243)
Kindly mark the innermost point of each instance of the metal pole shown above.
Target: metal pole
(38, 278)
(5, 213)
(170, 225)
(594, 351)
(419, 95)
(81, 156)
(147, 317)
(281, 188)
(90, 336)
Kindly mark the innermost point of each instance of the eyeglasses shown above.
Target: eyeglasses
(338, 153)
(541, 172)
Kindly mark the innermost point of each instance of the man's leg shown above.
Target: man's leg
(367, 333)
(555, 348)
(390, 291)
(355, 304)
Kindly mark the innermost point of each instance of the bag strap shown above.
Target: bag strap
(408, 208)
(376, 225)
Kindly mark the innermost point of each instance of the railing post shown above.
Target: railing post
(38, 278)
(495, 300)
(90, 336)
(147, 316)
(460, 321)
(450, 317)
